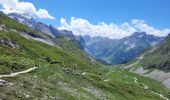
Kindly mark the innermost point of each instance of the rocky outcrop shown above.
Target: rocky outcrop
(165, 66)
(49, 60)
(32, 34)
(3, 28)
(8, 42)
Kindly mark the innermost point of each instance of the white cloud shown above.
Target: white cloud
(81, 26)
(9, 6)
(42, 13)
(140, 25)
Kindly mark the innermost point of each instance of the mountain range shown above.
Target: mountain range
(110, 51)
(117, 51)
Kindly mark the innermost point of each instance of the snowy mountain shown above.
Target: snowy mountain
(23, 18)
(47, 29)
(39, 26)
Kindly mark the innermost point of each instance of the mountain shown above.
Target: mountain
(23, 18)
(120, 50)
(44, 28)
(39, 26)
(34, 65)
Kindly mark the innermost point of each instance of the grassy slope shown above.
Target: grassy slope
(64, 80)
(159, 57)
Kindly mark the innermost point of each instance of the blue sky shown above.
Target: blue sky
(154, 12)
(106, 18)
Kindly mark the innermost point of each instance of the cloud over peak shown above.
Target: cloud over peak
(9, 6)
(81, 26)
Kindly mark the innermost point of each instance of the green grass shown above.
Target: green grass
(128, 77)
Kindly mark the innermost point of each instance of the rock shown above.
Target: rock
(8, 42)
(11, 84)
(163, 65)
(67, 70)
(48, 59)
(55, 62)
(2, 82)
(100, 74)
(84, 73)
(2, 27)
(145, 87)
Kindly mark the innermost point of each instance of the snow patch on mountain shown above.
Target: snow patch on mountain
(126, 42)
(130, 46)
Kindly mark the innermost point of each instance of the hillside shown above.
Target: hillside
(34, 65)
(154, 63)
(160, 57)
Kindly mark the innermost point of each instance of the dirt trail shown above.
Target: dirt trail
(17, 73)
(144, 85)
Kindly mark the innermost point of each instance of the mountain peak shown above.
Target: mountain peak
(23, 18)
(139, 34)
(18, 15)
(1, 12)
(168, 35)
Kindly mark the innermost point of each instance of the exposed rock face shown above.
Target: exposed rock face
(43, 28)
(163, 65)
(32, 34)
(81, 42)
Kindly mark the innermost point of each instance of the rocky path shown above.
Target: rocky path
(17, 73)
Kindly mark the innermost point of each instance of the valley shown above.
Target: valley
(41, 62)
